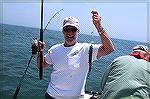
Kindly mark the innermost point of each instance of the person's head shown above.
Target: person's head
(70, 30)
(141, 52)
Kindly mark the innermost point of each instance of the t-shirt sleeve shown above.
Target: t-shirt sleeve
(95, 51)
(48, 57)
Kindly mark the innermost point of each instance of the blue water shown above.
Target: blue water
(15, 48)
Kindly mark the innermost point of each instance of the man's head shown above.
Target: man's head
(141, 52)
(70, 30)
(141, 48)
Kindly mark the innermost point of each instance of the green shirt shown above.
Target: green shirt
(127, 78)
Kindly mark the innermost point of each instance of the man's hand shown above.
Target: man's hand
(41, 46)
(97, 20)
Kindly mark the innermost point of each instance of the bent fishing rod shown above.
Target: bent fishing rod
(34, 52)
(20, 83)
(41, 59)
(41, 39)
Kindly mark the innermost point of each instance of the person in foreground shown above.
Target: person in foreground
(128, 77)
(70, 59)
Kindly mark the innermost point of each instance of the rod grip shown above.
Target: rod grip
(41, 64)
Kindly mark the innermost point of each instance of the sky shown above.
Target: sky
(122, 20)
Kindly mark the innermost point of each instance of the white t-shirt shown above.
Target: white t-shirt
(70, 68)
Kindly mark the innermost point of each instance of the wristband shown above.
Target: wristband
(102, 31)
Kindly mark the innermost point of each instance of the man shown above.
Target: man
(128, 77)
(70, 59)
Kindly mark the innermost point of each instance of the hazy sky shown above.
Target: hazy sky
(123, 20)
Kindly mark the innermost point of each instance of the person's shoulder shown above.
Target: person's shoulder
(128, 58)
(56, 46)
(83, 44)
(123, 59)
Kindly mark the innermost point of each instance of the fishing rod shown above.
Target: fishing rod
(34, 52)
(41, 39)
(41, 53)
(21, 81)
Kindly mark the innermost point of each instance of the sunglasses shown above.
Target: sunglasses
(70, 29)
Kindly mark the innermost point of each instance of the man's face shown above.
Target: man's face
(70, 35)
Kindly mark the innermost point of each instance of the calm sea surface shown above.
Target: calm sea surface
(15, 50)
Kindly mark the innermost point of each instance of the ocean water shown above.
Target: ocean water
(15, 50)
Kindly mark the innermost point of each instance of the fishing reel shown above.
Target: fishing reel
(34, 46)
